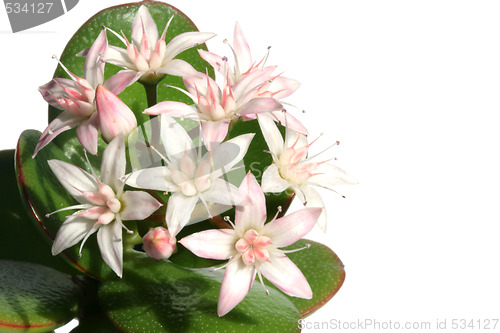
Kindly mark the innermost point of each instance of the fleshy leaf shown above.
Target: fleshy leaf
(159, 296)
(323, 270)
(43, 194)
(35, 298)
(19, 238)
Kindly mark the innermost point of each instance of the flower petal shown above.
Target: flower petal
(144, 23)
(271, 134)
(222, 192)
(283, 273)
(286, 119)
(173, 109)
(71, 232)
(329, 175)
(157, 178)
(242, 50)
(115, 117)
(175, 139)
(178, 67)
(88, 133)
(212, 244)
(138, 205)
(121, 80)
(313, 199)
(290, 228)
(61, 123)
(74, 179)
(214, 132)
(179, 209)
(260, 105)
(251, 212)
(229, 153)
(237, 281)
(113, 164)
(119, 57)
(109, 238)
(272, 181)
(282, 87)
(185, 41)
(93, 67)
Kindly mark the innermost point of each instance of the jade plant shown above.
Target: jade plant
(158, 193)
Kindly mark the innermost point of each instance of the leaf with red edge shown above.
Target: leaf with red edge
(323, 270)
(35, 298)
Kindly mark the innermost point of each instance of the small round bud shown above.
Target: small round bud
(158, 243)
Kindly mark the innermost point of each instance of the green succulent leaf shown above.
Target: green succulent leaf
(19, 238)
(159, 296)
(35, 298)
(323, 270)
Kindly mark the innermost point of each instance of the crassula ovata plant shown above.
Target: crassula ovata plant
(161, 189)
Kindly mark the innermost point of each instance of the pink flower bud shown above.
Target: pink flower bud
(115, 117)
(158, 243)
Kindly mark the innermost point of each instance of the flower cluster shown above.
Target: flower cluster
(191, 179)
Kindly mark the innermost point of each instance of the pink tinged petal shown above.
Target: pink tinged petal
(283, 273)
(282, 87)
(156, 59)
(290, 228)
(216, 244)
(113, 164)
(88, 132)
(92, 213)
(158, 243)
(93, 67)
(121, 80)
(75, 180)
(179, 209)
(109, 238)
(115, 117)
(144, 26)
(156, 178)
(119, 57)
(222, 192)
(229, 153)
(327, 174)
(175, 139)
(271, 134)
(242, 50)
(260, 105)
(173, 109)
(251, 212)
(272, 181)
(214, 60)
(248, 85)
(286, 119)
(73, 230)
(237, 281)
(137, 205)
(63, 122)
(311, 198)
(185, 41)
(106, 218)
(178, 67)
(214, 132)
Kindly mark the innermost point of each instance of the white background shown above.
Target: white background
(409, 88)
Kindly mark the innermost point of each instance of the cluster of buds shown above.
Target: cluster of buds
(192, 172)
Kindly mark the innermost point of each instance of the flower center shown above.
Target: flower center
(253, 246)
(191, 178)
(292, 169)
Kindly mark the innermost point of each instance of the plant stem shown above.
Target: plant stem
(151, 93)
